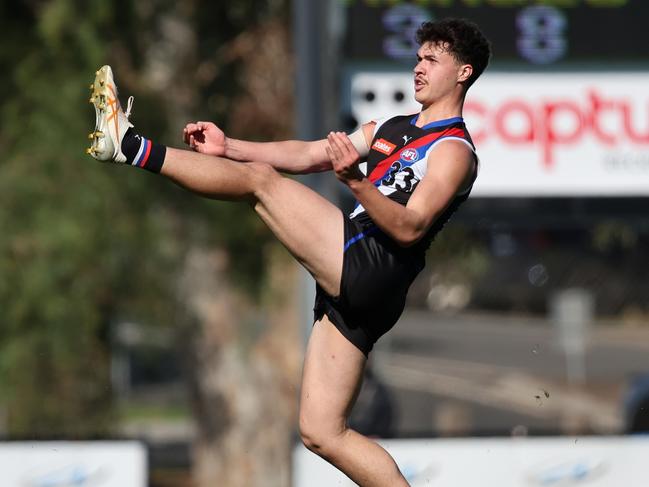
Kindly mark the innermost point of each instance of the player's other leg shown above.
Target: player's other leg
(333, 371)
(306, 223)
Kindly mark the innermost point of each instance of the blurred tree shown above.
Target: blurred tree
(83, 246)
(62, 257)
(244, 365)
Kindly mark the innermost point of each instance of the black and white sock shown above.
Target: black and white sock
(142, 152)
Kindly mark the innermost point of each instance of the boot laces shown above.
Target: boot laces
(129, 105)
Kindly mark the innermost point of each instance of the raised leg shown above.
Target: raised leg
(308, 225)
(333, 371)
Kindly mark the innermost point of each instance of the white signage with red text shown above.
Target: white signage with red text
(500, 462)
(78, 464)
(541, 134)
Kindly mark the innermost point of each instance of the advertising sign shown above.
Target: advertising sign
(540, 134)
(78, 464)
(502, 462)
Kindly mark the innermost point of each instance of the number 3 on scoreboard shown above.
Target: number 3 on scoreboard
(403, 21)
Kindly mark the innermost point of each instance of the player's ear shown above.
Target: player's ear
(464, 72)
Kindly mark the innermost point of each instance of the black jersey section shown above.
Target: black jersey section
(399, 134)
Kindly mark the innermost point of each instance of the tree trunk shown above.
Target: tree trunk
(244, 363)
(244, 374)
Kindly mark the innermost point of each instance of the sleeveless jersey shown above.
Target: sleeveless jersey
(397, 162)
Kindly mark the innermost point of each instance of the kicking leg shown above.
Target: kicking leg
(308, 225)
(333, 371)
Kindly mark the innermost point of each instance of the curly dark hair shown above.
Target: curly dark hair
(462, 39)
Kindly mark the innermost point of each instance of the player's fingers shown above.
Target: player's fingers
(340, 141)
(336, 163)
(347, 144)
(333, 145)
(204, 125)
(349, 147)
(347, 152)
(340, 144)
(332, 153)
(191, 128)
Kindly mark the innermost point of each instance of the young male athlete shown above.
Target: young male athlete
(419, 169)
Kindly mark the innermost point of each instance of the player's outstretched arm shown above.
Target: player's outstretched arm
(289, 156)
(450, 168)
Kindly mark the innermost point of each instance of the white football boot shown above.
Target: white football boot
(111, 123)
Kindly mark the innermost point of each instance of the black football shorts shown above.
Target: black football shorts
(376, 276)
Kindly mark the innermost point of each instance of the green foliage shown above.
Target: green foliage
(84, 244)
(53, 363)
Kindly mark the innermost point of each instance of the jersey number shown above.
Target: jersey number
(408, 176)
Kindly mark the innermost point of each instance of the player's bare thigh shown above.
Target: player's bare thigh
(308, 225)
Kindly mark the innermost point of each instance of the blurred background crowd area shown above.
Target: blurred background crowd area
(130, 309)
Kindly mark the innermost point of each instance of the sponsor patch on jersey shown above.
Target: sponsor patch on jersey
(384, 146)
(409, 155)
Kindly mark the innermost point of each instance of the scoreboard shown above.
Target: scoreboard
(562, 109)
(535, 33)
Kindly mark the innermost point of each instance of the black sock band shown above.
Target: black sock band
(142, 152)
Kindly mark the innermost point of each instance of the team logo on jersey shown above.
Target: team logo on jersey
(384, 146)
(409, 155)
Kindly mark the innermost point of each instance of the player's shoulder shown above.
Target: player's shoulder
(451, 150)
(392, 119)
(453, 129)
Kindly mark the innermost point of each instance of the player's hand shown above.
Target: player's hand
(205, 137)
(344, 157)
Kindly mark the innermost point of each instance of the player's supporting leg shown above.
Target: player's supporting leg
(333, 371)
(308, 225)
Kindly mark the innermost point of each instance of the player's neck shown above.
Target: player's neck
(441, 109)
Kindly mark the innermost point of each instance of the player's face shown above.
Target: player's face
(437, 73)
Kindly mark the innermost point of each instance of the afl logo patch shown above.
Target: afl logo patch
(384, 146)
(409, 155)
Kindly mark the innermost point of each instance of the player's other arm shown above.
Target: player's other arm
(289, 156)
(450, 169)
